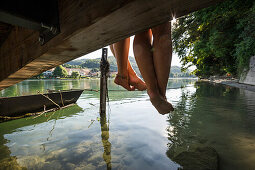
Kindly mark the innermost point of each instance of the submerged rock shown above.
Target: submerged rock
(10, 164)
(201, 159)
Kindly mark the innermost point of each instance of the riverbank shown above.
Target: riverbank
(82, 78)
(230, 82)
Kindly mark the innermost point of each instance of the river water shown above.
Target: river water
(132, 135)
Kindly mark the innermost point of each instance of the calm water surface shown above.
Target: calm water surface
(132, 135)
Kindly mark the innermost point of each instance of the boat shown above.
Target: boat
(21, 105)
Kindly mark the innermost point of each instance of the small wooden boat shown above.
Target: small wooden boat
(20, 105)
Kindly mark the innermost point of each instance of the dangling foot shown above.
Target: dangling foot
(162, 106)
(123, 81)
(135, 81)
(160, 103)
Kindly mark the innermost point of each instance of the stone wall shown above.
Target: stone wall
(249, 78)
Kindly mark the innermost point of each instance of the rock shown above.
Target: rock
(248, 76)
(10, 164)
(201, 159)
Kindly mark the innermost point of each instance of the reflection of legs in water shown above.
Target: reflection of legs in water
(154, 66)
(126, 76)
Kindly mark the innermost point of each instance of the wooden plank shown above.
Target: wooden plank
(5, 29)
(85, 27)
(104, 69)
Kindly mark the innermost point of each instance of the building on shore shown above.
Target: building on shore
(48, 73)
(82, 71)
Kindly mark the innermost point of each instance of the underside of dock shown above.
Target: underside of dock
(39, 35)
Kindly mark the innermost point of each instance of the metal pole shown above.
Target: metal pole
(104, 66)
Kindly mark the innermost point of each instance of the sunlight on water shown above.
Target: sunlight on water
(132, 135)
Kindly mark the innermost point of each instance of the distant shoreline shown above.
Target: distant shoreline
(99, 78)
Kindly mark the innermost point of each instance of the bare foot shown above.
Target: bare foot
(123, 81)
(135, 81)
(161, 104)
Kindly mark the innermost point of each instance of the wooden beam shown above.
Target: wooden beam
(104, 69)
(85, 27)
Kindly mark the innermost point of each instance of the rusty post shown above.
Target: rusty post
(104, 67)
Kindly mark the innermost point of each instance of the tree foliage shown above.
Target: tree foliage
(217, 40)
(91, 63)
(75, 74)
(95, 63)
(60, 71)
(71, 66)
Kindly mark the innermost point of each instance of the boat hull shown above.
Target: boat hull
(20, 105)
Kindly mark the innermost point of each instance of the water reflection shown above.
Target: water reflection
(250, 118)
(67, 139)
(205, 115)
(115, 92)
(105, 140)
(216, 116)
(7, 161)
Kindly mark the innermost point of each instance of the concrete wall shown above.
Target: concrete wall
(249, 78)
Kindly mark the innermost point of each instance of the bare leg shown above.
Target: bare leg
(162, 54)
(126, 75)
(134, 80)
(120, 51)
(144, 59)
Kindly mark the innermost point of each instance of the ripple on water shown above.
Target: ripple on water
(134, 135)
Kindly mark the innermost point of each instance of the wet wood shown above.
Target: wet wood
(5, 29)
(85, 27)
(20, 105)
(104, 69)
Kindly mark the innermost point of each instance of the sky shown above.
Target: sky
(98, 54)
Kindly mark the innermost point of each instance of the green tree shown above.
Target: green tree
(60, 71)
(216, 40)
(93, 70)
(91, 63)
(75, 74)
(246, 46)
(67, 65)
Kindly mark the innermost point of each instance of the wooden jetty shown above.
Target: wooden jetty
(52, 32)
